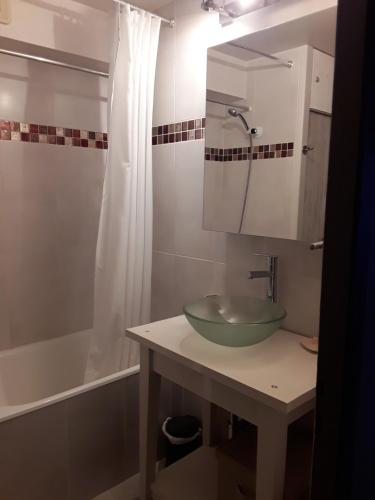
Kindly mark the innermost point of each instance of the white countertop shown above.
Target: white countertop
(277, 369)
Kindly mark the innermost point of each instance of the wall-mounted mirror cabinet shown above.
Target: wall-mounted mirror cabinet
(269, 101)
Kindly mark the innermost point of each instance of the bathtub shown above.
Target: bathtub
(62, 439)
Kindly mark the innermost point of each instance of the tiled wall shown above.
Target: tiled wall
(48, 241)
(179, 132)
(261, 152)
(188, 261)
(50, 196)
(47, 134)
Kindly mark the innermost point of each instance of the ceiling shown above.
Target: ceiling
(105, 5)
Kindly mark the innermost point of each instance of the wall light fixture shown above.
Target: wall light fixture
(235, 8)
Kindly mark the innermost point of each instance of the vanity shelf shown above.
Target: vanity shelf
(193, 477)
(199, 476)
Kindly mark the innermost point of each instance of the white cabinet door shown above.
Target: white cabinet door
(322, 82)
(315, 191)
(4, 12)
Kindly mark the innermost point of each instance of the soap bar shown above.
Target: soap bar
(311, 344)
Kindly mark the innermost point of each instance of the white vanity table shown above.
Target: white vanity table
(270, 384)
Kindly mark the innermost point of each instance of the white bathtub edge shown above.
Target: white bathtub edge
(10, 412)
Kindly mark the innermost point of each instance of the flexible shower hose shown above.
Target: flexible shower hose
(247, 183)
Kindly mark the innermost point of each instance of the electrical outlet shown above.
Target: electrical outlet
(4, 11)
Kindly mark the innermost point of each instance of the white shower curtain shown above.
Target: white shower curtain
(124, 248)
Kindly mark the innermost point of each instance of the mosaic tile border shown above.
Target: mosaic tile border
(190, 130)
(46, 134)
(262, 152)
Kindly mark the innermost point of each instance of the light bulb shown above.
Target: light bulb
(248, 4)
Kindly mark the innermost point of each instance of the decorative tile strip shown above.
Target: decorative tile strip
(163, 134)
(263, 152)
(190, 130)
(46, 134)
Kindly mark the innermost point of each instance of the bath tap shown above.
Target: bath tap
(270, 275)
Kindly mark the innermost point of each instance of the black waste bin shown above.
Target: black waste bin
(183, 435)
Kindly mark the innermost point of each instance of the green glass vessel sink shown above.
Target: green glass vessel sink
(234, 321)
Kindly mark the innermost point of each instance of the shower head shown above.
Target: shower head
(236, 114)
(233, 112)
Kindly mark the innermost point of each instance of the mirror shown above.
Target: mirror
(269, 102)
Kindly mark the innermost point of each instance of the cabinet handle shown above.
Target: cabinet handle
(306, 149)
(317, 245)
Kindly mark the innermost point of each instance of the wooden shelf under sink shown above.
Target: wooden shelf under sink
(196, 477)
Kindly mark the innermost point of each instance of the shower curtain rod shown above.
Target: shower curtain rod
(54, 62)
(283, 62)
(169, 22)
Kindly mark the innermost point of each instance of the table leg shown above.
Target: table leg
(271, 457)
(215, 422)
(148, 422)
(207, 411)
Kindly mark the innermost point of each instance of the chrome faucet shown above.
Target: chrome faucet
(270, 274)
